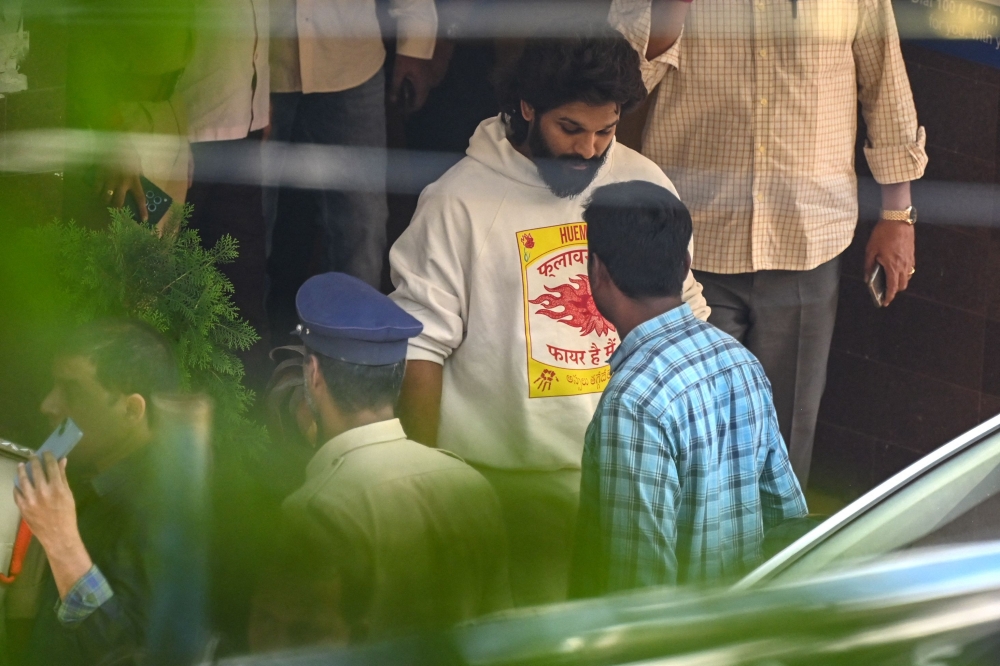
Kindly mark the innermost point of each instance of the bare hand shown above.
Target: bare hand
(121, 175)
(439, 63)
(418, 73)
(892, 245)
(47, 505)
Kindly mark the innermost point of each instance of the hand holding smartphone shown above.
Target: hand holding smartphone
(876, 285)
(59, 444)
(157, 202)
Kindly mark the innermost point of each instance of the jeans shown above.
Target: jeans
(352, 221)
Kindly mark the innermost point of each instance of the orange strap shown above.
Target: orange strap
(17, 556)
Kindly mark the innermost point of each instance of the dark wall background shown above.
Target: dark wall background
(906, 379)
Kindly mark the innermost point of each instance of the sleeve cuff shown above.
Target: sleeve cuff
(633, 19)
(671, 57)
(443, 328)
(898, 164)
(87, 595)
(416, 30)
(416, 47)
(417, 352)
(654, 70)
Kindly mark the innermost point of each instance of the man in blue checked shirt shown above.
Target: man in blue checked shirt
(93, 524)
(684, 467)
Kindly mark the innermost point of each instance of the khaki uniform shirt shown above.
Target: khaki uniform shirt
(755, 121)
(335, 45)
(418, 532)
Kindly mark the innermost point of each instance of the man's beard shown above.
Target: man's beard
(557, 170)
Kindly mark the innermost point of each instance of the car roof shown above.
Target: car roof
(902, 599)
(845, 516)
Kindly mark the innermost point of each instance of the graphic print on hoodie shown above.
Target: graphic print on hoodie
(556, 295)
(495, 267)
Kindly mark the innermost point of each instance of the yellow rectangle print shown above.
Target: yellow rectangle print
(568, 341)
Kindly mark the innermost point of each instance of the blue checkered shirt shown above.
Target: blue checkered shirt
(88, 594)
(684, 467)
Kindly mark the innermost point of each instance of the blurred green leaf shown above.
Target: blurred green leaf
(173, 284)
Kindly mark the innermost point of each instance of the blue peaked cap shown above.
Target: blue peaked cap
(344, 318)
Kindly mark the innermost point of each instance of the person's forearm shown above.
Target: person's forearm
(665, 25)
(420, 401)
(69, 562)
(896, 196)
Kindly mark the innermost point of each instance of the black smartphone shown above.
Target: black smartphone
(157, 202)
(876, 285)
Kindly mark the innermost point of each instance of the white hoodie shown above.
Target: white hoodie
(495, 267)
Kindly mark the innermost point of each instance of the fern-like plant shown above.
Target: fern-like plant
(172, 283)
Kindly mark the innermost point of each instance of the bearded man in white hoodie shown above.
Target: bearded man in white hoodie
(514, 355)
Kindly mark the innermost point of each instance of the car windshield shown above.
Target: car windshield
(955, 502)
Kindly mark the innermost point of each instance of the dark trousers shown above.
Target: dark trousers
(785, 318)
(352, 222)
(235, 208)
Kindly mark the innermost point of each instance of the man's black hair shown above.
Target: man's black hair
(358, 387)
(129, 355)
(596, 67)
(640, 231)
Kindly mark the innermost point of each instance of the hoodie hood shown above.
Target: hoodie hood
(490, 147)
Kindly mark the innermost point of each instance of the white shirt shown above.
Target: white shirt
(335, 45)
(226, 86)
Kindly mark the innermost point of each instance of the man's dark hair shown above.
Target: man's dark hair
(597, 67)
(129, 356)
(640, 231)
(356, 387)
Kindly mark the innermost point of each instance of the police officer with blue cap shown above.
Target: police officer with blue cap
(345, 319)
(417, 533)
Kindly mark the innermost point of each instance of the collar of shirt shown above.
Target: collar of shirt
(345, 442)
(674, 319)
(122, 477)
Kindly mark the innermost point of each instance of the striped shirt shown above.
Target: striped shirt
(684, 467)
(755, 118)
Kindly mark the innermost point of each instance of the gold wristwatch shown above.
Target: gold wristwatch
(908, 215)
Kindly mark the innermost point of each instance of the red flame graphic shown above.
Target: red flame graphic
(578, 309)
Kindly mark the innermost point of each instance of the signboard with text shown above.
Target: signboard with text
(968, 29)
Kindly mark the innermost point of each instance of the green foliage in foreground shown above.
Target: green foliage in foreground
(173, 284)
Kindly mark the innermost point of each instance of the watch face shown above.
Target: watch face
(913, 214)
